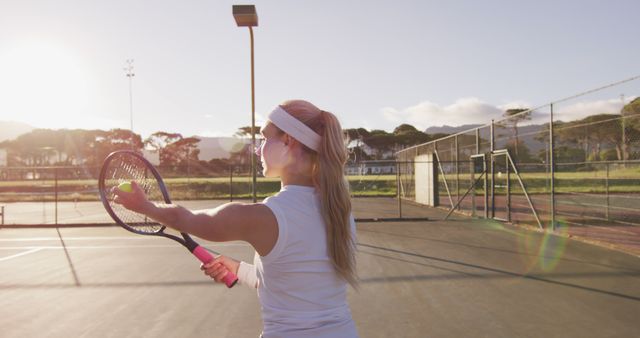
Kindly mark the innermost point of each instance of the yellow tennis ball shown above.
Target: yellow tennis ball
(125, 186)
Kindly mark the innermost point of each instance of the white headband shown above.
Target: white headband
(295, 128)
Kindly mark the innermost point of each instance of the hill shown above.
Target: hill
(527, 134)
(9, 130)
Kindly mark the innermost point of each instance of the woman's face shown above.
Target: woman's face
(273, 152)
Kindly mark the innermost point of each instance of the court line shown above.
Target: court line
(21, 254)
(114, 246)
(39, 239)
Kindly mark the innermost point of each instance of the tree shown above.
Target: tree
(631, 124)
(405, 129)
(112, 140)
(381, 141)
(159, 141)
(523, 156)
(356, 133)
(246, 131)
(68, 147)
(605, 128)
(515, 116)
(408, 135)
(632, 108)
(182, 152)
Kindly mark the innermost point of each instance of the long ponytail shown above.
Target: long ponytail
(328, 173)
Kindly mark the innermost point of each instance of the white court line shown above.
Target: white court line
(39, 239)
(20, 254)
(212, 247)
(36, 239)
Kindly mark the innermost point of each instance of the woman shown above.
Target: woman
(304, 236)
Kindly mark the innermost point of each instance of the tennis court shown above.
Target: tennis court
(462, 277)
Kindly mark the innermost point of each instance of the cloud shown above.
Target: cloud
(581, 110)
(468, 110)
(471, 110)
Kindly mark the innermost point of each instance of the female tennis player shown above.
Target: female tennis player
(304, 235)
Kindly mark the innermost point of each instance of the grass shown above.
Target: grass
(624, 180)
(179, 188)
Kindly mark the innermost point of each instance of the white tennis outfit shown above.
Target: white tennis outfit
(300, 292)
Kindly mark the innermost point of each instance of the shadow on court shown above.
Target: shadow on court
(460, 278)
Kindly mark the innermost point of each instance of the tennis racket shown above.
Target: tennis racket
(127, 166)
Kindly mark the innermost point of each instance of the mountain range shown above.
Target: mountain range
(527, 134)
(450, 129)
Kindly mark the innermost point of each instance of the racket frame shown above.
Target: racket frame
(201, 253)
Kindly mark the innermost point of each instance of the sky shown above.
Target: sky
(375, 64)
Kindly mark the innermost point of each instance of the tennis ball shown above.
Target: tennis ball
(125, 186)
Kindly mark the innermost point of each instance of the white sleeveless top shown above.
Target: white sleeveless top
(300, 293)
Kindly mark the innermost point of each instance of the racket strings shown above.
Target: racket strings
(127, 169)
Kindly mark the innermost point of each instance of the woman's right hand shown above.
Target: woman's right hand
(219, 267)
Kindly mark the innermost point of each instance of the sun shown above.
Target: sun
(43, 84)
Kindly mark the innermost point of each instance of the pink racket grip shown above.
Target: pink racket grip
(230, 279)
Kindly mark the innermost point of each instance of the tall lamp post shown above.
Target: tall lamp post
(246, 16)
(128, 69)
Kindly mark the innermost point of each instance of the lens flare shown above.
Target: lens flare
(231, 145)
(542, 251)
(536, 251)
(552, 247)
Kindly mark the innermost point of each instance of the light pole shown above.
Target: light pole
(246, 16)
(128, 69)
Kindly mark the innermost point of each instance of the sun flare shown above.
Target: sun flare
(43, 84)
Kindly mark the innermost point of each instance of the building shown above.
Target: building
(371, 168)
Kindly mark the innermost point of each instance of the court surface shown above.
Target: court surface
(460, 278)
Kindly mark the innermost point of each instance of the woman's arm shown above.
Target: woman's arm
(253, 223)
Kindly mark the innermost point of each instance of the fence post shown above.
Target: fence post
(493, 172)
(398, 189)
(473, 191)
(606, 184)
(508, 172)
(455, 141)
(55, 177)
(473, 177)
(552, 169)
(230, 182)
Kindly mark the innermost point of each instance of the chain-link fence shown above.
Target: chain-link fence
(575, 161)
(64, 195)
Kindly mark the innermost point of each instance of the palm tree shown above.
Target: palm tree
(515, 116)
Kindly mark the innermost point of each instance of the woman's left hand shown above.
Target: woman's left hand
(136, 200)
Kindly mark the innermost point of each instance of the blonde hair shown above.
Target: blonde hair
(328, 175)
